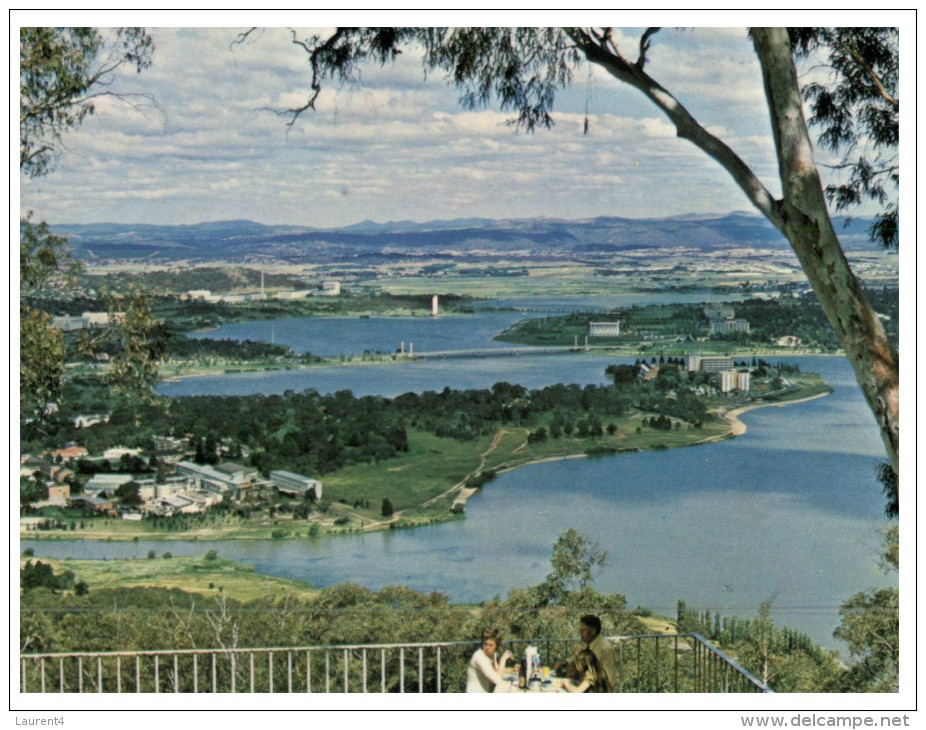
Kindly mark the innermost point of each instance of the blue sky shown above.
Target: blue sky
(398, 145)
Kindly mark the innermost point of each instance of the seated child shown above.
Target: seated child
(584, 674)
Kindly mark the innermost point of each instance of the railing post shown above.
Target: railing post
(439, 677)
(620, 664)
(251, 669)
(676, 664)
(308, 670)
(176, 673)
(61, 675)
(382, 670)
(346, 677)
(43, 676)
(214, 679)
(420, 670)
(195, 674)
(80, 675)
(402, 669)
(99, 674)
(137, 674)
(289, 672)
(157, 681)
(270, 670)
(327, 671)
(364, 662)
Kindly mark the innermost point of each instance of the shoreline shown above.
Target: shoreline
(460, 494)
(388, 359)
(737, 428)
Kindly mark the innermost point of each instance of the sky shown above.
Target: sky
(397, 145)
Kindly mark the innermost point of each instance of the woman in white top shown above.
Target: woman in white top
(485, 669)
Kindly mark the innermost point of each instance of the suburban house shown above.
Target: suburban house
(72, 451)
(58, 493)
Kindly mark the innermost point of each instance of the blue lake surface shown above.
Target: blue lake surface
(790, 512)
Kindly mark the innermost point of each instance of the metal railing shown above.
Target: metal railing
(646, 663)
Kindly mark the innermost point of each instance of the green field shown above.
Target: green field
(193, 575)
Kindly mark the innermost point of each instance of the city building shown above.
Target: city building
(105, 483)
(295, 485)
(331, 288)
(604, 329)
(788, 341)
(168, 444)
(68, 323)
(709, 364)
(729, 326)
(221, 477)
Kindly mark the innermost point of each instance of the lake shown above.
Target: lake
(789, 513)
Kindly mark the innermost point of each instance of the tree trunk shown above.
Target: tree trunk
(802, 215)
(805, 221)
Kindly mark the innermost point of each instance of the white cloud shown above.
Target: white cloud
(397, 146)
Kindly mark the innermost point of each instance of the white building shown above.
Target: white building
(221, 478)
(729, 326)
(117, 452)
(727, 380)
(331, 288)
(730, 380)
(67, 323)
(106, 483)
(604, 329)
(95, 319)
(90, 419)
(287, 482)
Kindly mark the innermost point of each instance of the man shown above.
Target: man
(590, 631)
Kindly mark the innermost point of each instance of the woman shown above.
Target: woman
(485, 669)
(586, 675)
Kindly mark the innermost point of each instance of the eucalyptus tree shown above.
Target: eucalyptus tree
(62, 74)
(523, 69)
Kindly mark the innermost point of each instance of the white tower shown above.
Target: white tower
(434, 306)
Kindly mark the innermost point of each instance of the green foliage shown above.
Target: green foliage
(889, 488)
(870, 626)
(858, 110)
(387, 509)
(41, 575)
(61, 71)
(785, 659)
(574, 561)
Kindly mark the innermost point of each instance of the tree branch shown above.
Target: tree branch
(875, 79)
(686, 126)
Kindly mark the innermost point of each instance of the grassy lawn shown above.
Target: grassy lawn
(432, 466)
(194, 575)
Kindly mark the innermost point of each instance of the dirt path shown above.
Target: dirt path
(460, 489)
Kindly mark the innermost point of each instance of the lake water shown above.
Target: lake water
(790, 512)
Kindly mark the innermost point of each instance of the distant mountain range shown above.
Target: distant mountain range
(541, 237)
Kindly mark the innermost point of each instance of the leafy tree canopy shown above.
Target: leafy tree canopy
(61, 72)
